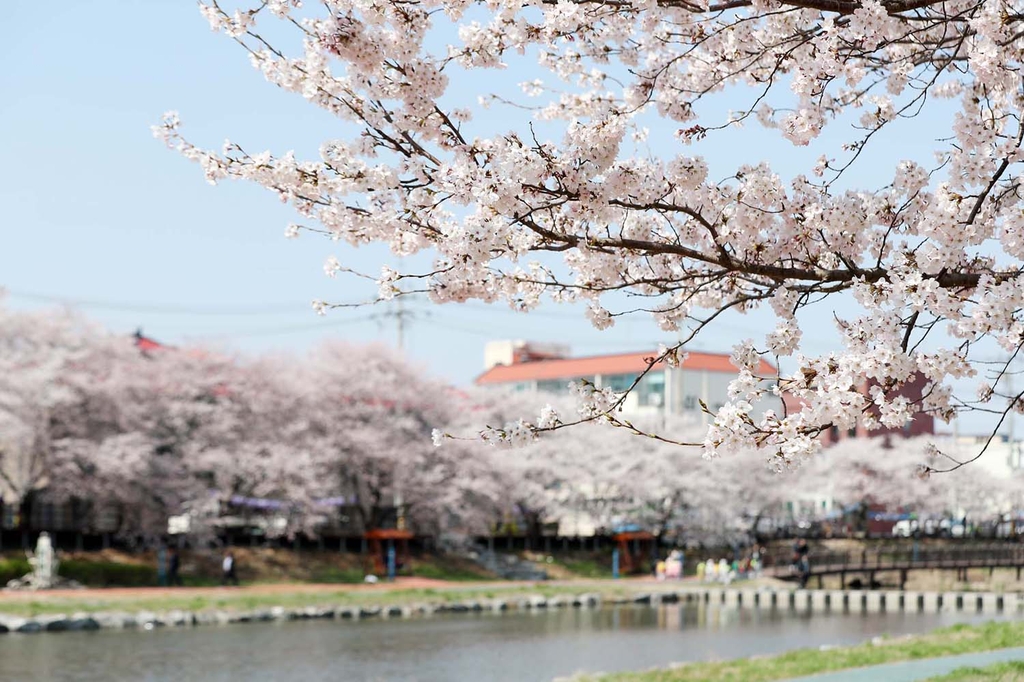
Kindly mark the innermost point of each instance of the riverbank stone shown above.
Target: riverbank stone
(54, 623)
(148, 620)
(586, 599)
(669, 597)
(29, 627)
(178, 618)
(10, 623)
(83, 621)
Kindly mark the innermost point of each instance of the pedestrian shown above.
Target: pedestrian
(172, 572)
(161, 566)
(723, 570)
(228, 570)
(710, 570)
(801, 561)
(674, 565)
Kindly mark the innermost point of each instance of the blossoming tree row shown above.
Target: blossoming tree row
(88, 416)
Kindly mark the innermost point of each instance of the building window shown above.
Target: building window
(619, 383)
(553, 386)
(651, 390)
(690, 403)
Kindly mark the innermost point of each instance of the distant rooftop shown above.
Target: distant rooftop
(524, 367)
(143, 342)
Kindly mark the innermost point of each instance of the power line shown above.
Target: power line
(492, 308)
(172, 309)
(271, 331)
(489, 331)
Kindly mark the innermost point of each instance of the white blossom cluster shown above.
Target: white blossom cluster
(927, 252)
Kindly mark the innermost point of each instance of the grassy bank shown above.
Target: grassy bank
(959, 639)
(1011, 671)
(233, 599)
(112, 568)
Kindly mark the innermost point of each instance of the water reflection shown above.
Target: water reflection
(515, 646)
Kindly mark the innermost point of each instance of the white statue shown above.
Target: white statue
(44, 569)
(44, 563)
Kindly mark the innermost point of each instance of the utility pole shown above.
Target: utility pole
(399, 500)
(1009, 387)
(400, 315)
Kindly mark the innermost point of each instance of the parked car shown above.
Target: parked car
(952, 528)
(905, 528)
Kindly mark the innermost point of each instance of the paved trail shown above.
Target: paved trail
(912, 671)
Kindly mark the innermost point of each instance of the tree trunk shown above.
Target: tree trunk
(753, 528)
(24, 517)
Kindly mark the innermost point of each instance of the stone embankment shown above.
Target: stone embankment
(823, 601)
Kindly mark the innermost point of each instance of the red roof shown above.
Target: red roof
(148, 344)
(145, 343)
(621, 363)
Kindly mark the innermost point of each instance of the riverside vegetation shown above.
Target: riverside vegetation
(958, 639)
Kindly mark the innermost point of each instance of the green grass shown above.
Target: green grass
(88, 572)
(959, 639)
(107, 573)
(1011, 671)
(13, 568)
(97, 572)
(458, 571)
(333, 574)
(587, 568)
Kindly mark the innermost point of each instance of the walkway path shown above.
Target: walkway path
(911, 671)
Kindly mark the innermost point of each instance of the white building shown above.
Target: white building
(664, 391)
(1002, 457)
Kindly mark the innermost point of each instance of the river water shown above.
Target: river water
(513, 647)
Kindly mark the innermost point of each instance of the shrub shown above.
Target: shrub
(107, 573)
(13, 568)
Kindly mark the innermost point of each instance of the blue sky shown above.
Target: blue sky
(95, 212)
